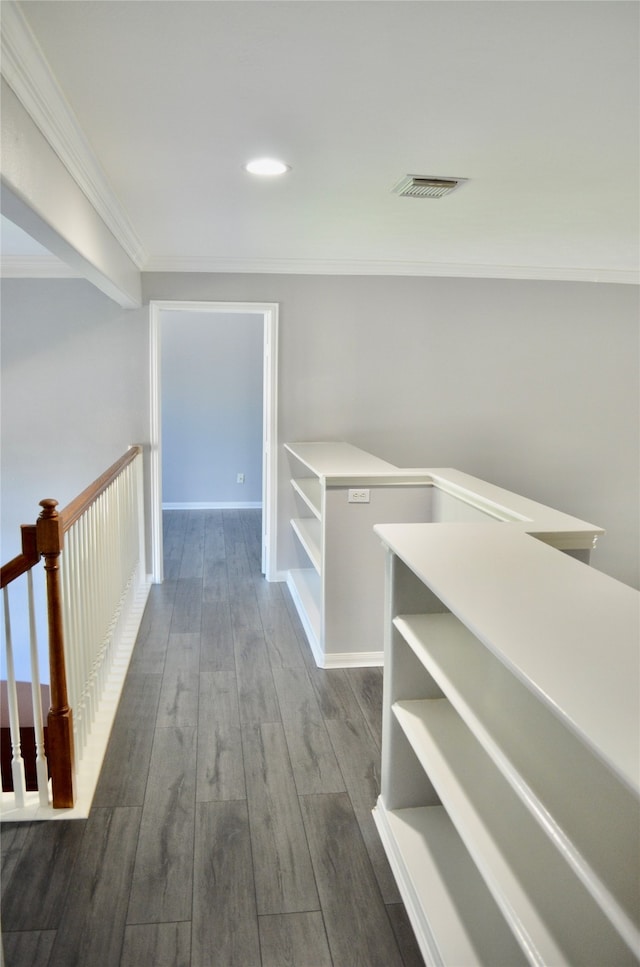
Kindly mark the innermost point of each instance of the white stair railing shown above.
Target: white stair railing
(102, 563)
(94, 553)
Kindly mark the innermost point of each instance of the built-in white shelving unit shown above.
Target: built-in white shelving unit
(337, 582)
(510, 792)
(334, 589)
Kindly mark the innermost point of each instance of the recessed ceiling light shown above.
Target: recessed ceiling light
(267, 166)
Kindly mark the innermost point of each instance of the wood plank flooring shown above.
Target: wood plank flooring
(232, 822)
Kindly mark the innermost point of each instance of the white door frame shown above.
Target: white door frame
(269, 313)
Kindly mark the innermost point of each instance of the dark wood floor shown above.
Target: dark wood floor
(232, 822)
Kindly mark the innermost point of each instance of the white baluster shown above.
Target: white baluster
(36, 698)
(87, 604)
(17, 762)
(68, 574)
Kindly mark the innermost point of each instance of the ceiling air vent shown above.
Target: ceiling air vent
(426, 186)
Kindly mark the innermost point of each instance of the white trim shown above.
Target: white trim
(35, 267)
(352, 659)
(303, 615)
(26, 70)
(390, 267)
(269, 313)
(408, 892)
(155, 450)
(214, 505)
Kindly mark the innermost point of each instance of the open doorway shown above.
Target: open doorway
(269, 315)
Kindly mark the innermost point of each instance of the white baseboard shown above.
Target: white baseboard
(352, 659)
(344, 659)
(214, 505)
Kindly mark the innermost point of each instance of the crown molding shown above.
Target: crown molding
(371, 267)
(35, 267)
(25, 68)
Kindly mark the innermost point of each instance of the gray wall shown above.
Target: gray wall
(74, 395)
(211, 407)
(530, 385)
(75, 392)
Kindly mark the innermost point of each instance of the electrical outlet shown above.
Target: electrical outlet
(240, 478)
(360, 496)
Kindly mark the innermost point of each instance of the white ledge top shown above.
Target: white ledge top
(325, 459)
(570, 633)
(528, 515)
(343, 465)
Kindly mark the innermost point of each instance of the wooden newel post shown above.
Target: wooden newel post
(60, 719)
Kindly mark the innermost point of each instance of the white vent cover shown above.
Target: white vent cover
(427, 186)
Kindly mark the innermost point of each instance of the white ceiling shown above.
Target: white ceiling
(536, 103)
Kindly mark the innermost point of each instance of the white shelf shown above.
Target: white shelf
(346, 554)
(337, 536)
(511, 704)
(309, 533)
(461, 923)
(527, 876)
(555, 617)
(499, 711)
(311, 492)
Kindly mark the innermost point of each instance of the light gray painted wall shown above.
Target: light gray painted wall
(75, 391)
(533, 386)
(74, 395)
(211, 407)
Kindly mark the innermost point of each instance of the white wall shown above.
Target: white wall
(211, 407)
(530, 385)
